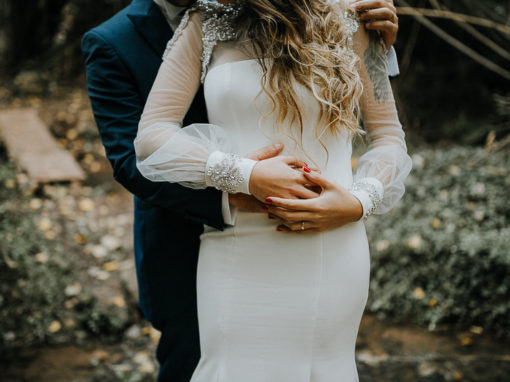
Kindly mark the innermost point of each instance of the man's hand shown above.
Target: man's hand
(380, 15)
(334, 208)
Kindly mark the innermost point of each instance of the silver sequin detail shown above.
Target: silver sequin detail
(217, 25)
(178, 31)
(225, 175)
(371, 190)
(352, 23)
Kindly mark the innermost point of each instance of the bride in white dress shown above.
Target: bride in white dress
(274, 307)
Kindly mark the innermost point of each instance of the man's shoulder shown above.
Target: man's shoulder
(118, 27)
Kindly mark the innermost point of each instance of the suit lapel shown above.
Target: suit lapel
(151, 24)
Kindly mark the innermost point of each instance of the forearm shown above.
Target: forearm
(380, 173)
(202, 206)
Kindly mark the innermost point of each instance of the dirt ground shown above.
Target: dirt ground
(385, 353)
(92, 223)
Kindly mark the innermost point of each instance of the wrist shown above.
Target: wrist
(356, 210)
(253, 178)
(369, 192)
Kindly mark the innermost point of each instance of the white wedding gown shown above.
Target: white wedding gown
(272, 307)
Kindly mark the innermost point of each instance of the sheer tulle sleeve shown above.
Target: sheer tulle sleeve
(196, 156)
(380, 172)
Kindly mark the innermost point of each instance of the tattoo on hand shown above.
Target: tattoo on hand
(375, 62)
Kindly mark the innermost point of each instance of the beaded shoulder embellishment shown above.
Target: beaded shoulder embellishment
(217, 25)
(351, 20)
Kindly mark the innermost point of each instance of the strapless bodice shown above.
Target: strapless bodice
(235, 102)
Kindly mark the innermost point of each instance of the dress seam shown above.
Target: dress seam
(318, 295)
(221, 369)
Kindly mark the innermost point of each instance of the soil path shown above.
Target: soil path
(386, 353)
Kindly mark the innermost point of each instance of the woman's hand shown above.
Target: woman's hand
(334, 208)
(282, 177)
(380, 15)
(249, 203)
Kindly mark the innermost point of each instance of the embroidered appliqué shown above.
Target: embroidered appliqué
(217, 25)
(225, 175)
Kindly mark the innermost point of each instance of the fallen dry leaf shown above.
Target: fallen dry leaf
(54, 327)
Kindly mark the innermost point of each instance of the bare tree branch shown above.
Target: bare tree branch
(420, 17)
(436, 13)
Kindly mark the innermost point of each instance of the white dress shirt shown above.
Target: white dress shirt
(171, 12)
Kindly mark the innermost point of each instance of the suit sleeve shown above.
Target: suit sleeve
(117, 107)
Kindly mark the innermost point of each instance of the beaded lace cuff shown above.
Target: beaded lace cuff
(369, 192)
(228, 172)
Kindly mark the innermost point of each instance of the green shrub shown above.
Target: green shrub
(30, 284)
(443, 256)
(38, 263)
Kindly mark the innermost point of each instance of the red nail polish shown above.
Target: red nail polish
(306, 169)
(270, 216)
(265, 208)
(279, 229)
(269, 200)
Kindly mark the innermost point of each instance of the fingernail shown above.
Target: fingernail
(270, 216)
(279, 229)
(269, 200)
(265, 208)
(306, 169)
(278, 145)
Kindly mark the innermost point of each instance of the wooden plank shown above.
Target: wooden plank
(31, 145)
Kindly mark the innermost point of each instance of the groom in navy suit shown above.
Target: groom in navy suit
(122, 58)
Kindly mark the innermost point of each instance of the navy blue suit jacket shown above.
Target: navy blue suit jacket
(122, 58)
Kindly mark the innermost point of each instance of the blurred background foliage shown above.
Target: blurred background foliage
(444, 257)
(46, 34)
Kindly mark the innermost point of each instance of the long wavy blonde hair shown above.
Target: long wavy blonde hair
(306, 41)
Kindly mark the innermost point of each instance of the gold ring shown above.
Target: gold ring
(302, 226)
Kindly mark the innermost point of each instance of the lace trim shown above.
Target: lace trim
(217, 25)
(225, 175)
(178, 31)
(352, 23)
(373, 193)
